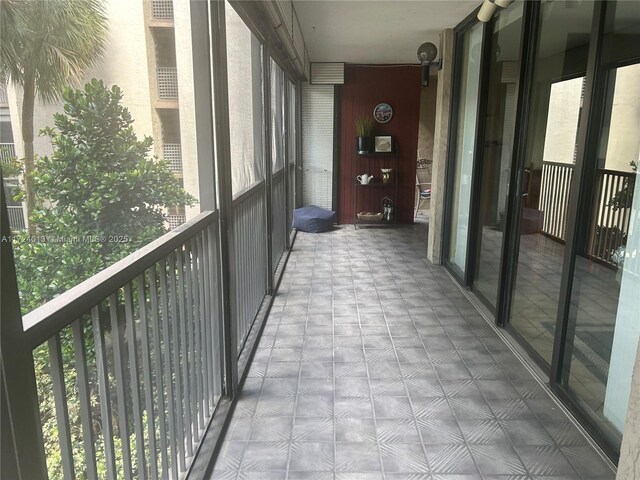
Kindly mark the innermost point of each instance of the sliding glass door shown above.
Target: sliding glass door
(546, 172)
(554, 208)
(465, 137)
(603, 326)
(496, 155)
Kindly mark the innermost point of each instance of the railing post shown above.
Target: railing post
(22, 451)
(218, 47)
(287, 138)
(298, 161)
(268, 172)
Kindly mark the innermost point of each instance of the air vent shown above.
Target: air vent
(327, 73)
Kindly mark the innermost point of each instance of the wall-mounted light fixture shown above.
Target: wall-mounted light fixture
(427, 53)
(489, 7)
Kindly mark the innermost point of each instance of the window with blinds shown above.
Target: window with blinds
(317, 145)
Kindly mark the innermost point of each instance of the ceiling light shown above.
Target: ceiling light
(503, 3)
(427, 53)
(486, 10)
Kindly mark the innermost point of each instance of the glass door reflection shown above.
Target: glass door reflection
(554, 117)
(462, 172)
(604, 326)
(502, 94)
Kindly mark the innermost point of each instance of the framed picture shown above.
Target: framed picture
(383, 143)
(383, 112)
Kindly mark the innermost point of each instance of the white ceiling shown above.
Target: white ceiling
(375, 31)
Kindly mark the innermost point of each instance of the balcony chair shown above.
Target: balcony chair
(423, 186)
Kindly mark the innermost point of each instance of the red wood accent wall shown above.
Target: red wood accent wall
(364, 87)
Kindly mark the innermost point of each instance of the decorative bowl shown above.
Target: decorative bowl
(370, 216)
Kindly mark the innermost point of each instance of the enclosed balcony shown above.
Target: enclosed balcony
(369, 361)
(16, 217)
(486, 334)
(162, 9)
(167, 83)
(7, 152)
(172, 153)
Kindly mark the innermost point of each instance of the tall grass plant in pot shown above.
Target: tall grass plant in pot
(364, 132)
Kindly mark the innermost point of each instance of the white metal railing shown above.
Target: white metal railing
(610, 223)
(136, 346)
(291, 194)
(7, 152)
(132, 358)
(278, 216)
(612, 215)
(554, 197)
(167, 82)
(16, 217)
(162, 8)
(172, 153)
(249, 262)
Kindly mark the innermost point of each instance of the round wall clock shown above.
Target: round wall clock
(383, 112)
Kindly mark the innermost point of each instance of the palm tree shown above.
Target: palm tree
(45, 45)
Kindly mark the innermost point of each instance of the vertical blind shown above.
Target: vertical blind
(317, 145)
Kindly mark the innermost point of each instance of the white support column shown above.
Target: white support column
(629, 464)
(625, 344)
(200, 112)
(440, 147)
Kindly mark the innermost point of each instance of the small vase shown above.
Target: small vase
(363, 145)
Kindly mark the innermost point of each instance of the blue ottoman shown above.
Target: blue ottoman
(313, 219)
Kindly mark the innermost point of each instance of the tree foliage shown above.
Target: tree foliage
(100, 195)
(44, 46)
(54, 41)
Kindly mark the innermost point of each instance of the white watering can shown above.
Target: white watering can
(364, 179)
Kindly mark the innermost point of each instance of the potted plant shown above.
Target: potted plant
(364, 132)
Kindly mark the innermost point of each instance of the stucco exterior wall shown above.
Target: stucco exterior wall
(123, 63)
(440, 147)
(426, 126)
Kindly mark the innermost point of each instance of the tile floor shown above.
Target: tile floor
(535, 303)
(373, 365)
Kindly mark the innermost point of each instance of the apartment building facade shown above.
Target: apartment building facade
(140, 57)
(534, 214)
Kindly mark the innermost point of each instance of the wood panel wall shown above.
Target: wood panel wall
(363, 89)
